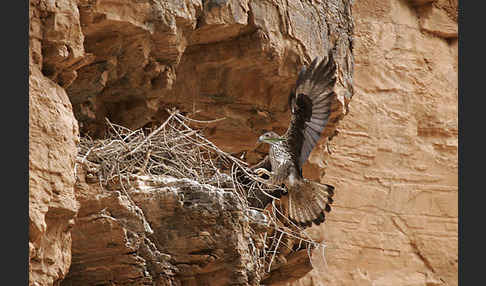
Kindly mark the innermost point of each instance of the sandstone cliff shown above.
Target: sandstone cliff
(394, 161)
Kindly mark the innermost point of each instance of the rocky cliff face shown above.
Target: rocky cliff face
(53, 135)
(162, 231)
(394, 162)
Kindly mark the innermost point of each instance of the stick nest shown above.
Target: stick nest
(175, 149)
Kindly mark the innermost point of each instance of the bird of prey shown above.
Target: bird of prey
(310, 106)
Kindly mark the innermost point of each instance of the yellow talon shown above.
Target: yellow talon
(262, 171)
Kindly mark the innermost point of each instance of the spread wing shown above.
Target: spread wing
(310, 105)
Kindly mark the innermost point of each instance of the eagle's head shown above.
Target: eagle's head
(270, 137)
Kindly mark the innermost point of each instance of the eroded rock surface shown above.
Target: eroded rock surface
(231, 59)
(53, 135)
(55, 53)
(394, 163)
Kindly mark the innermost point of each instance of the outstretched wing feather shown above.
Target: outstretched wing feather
(311, 106)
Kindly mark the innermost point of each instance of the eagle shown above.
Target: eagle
(310, 105)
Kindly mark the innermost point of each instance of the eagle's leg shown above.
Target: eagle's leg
(262, 171)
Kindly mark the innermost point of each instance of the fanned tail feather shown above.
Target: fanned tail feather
(310, 202)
